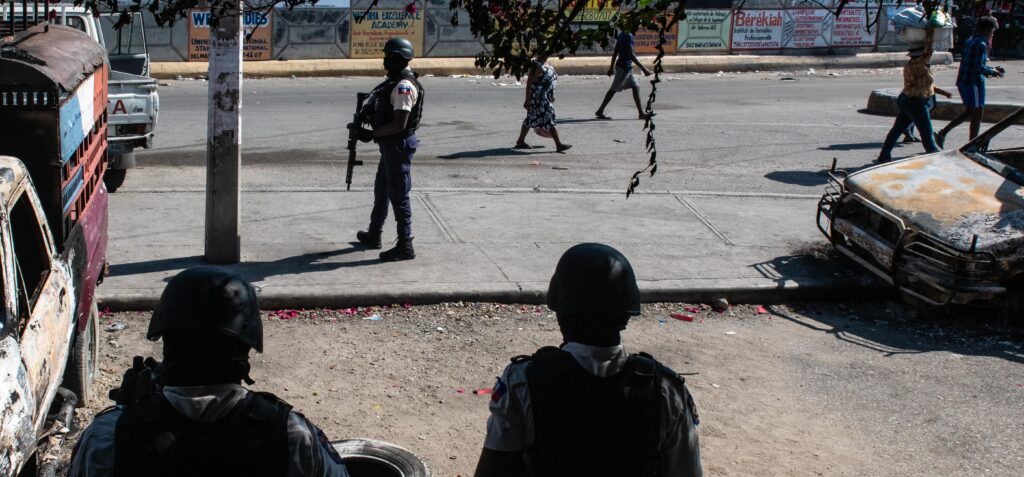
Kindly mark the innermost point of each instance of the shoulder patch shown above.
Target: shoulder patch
(500, 388)
(404, 89)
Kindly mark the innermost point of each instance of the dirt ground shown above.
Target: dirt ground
(867, 389)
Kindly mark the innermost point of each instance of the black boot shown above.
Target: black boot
(369, 239)
(402, 251)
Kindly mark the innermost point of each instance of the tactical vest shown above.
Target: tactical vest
(586, 425)
(154, 439)
(380, 111)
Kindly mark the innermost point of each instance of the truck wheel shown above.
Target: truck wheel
(114, 179)
(370, 458)
(1013, 307)
(84, 359)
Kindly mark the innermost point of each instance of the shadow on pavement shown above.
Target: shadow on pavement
(904, 332)
(495, 152)
(252, 271)
(854, 146)
(808, 178)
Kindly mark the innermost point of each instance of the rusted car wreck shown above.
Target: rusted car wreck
(944, 228)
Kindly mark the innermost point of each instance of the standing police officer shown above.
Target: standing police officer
(202, 422)
(393, 110)
(589, 408)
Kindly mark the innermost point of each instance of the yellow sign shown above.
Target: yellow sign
(380, 25)
(255, 48)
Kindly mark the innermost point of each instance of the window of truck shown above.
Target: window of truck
(31, 254)
(128, 40)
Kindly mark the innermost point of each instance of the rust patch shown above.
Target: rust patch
(913, 165)
(967, 180)
(890, 177)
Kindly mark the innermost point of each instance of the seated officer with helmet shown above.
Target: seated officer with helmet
(588, 408)
(202, 422)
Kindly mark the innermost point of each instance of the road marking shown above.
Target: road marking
(485, 190)
(439, 221)
(705, 220)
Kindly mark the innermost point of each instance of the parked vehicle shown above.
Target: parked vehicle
(53, 235)
(133, 103)
(943, 228)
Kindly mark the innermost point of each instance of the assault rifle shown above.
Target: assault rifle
(352, 141)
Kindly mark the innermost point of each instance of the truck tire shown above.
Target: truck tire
(370, 458)
(84, 359)
(114, 179)
(1013, 306)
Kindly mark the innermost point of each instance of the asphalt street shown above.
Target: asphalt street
(768, 132)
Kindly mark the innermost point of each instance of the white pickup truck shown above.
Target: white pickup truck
(133, 104)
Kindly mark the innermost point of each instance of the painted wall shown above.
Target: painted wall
(331, 30)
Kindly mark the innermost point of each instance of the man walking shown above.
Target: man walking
(202, 422)
(393, 111)
(622, 68)
(970, 79)
(589, 408)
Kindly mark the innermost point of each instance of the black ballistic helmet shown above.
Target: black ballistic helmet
(209, 299)
(399, 47)
(593, 280)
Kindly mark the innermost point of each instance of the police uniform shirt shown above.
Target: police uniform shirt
(308, 449)
(404, 96)
(510, 425)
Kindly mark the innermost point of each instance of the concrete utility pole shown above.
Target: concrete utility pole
(224, 137)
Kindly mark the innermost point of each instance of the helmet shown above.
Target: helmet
(593, 280)
(399, 47)
(210, 299)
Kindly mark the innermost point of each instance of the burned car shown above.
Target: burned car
(943, 228)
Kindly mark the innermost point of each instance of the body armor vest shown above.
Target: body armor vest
(379, 110)
(586, 425)
(154, 439)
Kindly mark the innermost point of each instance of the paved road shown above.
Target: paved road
(753, 132)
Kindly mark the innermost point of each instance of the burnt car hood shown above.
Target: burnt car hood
(949, 196)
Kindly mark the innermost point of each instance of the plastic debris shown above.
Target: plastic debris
(483, 391)
(116, 327)
(720, 305)
(377, 406)
(730, 333)
(106, 312)
(692, 309)
(286, 314)
(760, 310)
(682, 317)
(535, 163)
(715, 385)
(461, 390)
(440, 329)
(373, 318)
(560, 168)
(407, 306)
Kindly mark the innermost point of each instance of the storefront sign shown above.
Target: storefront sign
(256, 47)
(705, 30)
(380, 25)
(757, 29)
(807, 28)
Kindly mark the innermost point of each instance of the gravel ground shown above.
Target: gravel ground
(864, 389)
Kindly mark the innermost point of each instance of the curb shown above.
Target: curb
(883, 102)
(591, 65)
(862, 288)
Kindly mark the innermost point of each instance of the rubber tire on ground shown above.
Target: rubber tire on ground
(114, 179)
(371, 458)
(84, 359)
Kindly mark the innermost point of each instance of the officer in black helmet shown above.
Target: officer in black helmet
(589, 408)
(393, 111)
(200, 421)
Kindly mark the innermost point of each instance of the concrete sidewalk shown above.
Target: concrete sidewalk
(593, 65)
(1001, 101)
(483, 245)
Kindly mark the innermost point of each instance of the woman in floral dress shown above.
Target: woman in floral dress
(540, 110)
